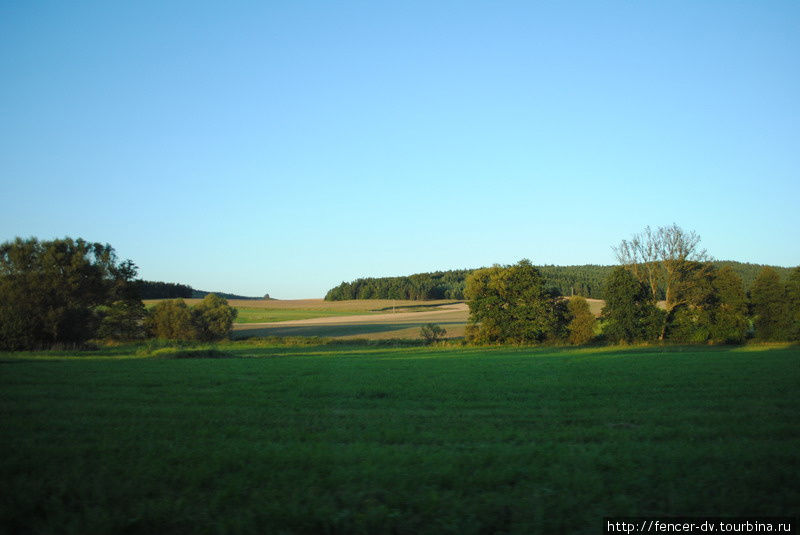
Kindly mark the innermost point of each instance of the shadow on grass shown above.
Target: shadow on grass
(414, 308)
(332, 331)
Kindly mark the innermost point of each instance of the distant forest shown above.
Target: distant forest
(171, 290)
(586, 281)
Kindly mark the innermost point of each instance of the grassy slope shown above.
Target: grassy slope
(322, 439)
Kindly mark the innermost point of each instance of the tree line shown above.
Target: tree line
(171, 290)
(586, 280)
(65, 292)
(702, 303)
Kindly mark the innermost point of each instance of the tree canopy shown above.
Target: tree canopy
(53, 292)
(511, 304)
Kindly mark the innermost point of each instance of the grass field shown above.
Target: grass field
(276, 310)
(371, 439)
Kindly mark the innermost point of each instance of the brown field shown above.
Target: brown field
(382, 323)
(379, 322)
(356, 305)
(375, 319)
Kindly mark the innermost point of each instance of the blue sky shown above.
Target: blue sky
(284, 147)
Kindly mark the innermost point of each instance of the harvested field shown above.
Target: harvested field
(400, 324)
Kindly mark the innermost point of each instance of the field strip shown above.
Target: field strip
(458, 310)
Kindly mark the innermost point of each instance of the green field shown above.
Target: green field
(380, 439)
(270, 315)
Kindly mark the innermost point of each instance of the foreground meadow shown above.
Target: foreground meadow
(367, 439)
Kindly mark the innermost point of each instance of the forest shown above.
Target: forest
(586, 281)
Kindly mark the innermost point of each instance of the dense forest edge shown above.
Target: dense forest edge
(586, 281)
(172, 290)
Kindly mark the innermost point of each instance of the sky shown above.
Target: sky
(285, 147)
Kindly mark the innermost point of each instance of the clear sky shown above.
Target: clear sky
(284, 147)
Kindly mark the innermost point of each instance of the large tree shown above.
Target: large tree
(667, 260)
(53, 292)
(730, 323)
(511, 304)
(630, 313)
(769, 306)
(793, 302)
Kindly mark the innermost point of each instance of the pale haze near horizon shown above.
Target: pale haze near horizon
(286, 147)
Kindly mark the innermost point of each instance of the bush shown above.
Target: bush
(431, 332)
(581, 326)
(171, 320)
(211, 319)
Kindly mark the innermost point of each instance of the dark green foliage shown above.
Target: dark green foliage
(123, 320)
(690, 314)
(162, 290)
(200, 294)
(630, 313)
(582, 321)
(729, 325)
(749, 272)
(437, 285)
(793, 303)
(213, 318)
(511, 304)
(50, 291)
(769, 306)
(431, 332)
(587, 281)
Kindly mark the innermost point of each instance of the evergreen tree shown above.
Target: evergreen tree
(769, 306)
(793, 302)
(630, 312)
(730, 323)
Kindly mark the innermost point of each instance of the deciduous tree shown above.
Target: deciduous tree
(582, 321)
(51, 291)
(511, 304)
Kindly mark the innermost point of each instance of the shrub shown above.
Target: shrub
(431, 332)
(171, 320)
(581, 325)
(213, 318)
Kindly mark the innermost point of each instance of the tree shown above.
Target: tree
(694, 302)
(664, 259)
(793, 302)
(213, 318)
(511, 304)
(630, 312)
(171, 319)
(581, 325)
(769, 306)
(730, 323)
(51, 291)
(431, 332)
(123, 320)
